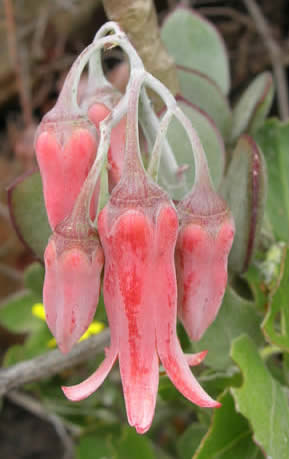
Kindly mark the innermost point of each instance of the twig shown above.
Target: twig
(228, 12)
(275, 55)
(36, 408)
(22, 85)
(50, 364)
(12, 273)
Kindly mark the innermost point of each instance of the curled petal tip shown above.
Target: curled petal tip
(86, 388)
(196, 359)
(71, 394)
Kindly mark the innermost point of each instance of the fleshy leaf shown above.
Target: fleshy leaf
(94, 445)
(210, 138)
(262, 400)
(278, 305)
(244, 189)
(253, 106)
(235, 317)
(229, 436)
(16, 312)
(34, 278)
(133, 445)
(190, 440)
(27, 210)
(198, 45)
(273, 138)
(202, 91)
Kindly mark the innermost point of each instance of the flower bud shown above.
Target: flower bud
(65, 150)
(204, 242)
(71, 287)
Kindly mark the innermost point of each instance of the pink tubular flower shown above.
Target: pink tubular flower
(138, 231)
(71, 287)
(65, 153)
(204, 242)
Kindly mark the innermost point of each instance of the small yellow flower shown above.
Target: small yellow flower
(38, 311)
(94, 328)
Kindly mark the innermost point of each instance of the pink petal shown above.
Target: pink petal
(51, 284)
(130, 259)
(71, 292)
(195, 359)
(201, 262)
(90, 385)
(165, 292)
(63, 170)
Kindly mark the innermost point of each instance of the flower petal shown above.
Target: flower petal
(195, 359)
(63, 170)
(131, 247)
(165, 294)
(86, 388)
(201, 262)
(71, 291)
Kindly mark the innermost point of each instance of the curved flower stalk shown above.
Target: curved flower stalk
(205, 237)
(138, 230)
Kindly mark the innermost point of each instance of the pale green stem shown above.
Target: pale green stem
(157, 149)
(150, 125)
(96, 76)
(202, 174)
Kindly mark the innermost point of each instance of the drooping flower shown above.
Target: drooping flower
(65, 150)
(71, 286)
(66, 145)
(204, 242)
(138, 230)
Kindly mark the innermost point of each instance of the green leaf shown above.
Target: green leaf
(181, 146)
(34, 278)
(253, 107)
(194, 42)
(236, 316)
(35, 344)
(229, 436)
(16, 312)
(133, 445)
(93, 446)
(278, 307)
(244, 189)
(215, 382)
(273, 138)
(27, 210)
(262, 400)
(190, 440)
(203, 92)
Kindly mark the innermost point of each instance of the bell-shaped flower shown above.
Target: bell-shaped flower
(71, 286)
(204, 242)
(66, 146)
(138, 230)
